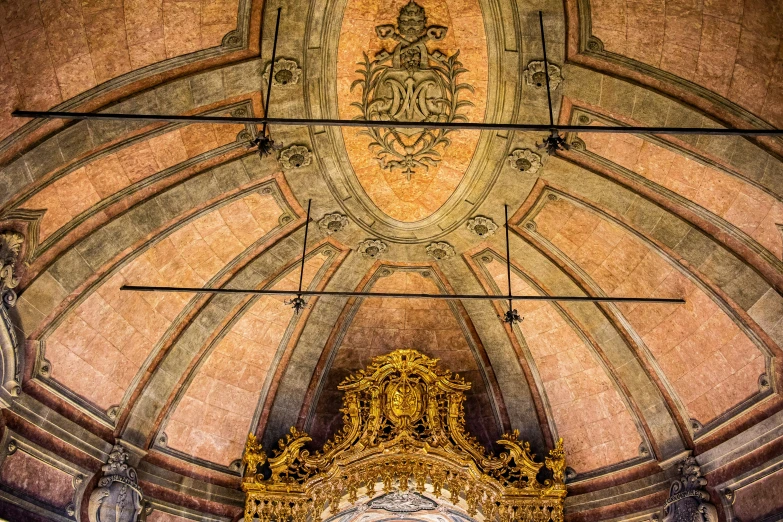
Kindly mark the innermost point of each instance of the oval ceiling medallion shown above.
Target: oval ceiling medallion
(411, 61)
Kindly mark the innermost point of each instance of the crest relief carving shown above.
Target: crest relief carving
(117, 496)
(411, 81)
(404, 431)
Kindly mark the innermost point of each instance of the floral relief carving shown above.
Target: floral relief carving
(286, 72)
(535, 76)
(440, 250)
(295, 156)
(372, 248)
(525, 160)
(482, 226)
(332, 223)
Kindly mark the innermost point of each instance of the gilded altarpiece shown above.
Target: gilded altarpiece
(404, 430)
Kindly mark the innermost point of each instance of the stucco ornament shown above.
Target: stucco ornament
(286, 72)
(10, 246)
(525, 160)
(687, 501)
(482, 226)
(440, 250)
(118, 497)
(372, 248)
(535, 76)
(295, 156)
(410, 82)
(333, 223)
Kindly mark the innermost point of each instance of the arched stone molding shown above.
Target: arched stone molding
(657, 432)
(588, 51)
(239, 44)
(745, 323)
(102, 265)
(730, 235)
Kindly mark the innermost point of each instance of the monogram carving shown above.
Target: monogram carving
(410, 82)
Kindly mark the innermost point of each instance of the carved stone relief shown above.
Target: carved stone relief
(372, 248)
(481, 226)
(525, 160)
(333, 223)
(410, 82)
(687, 500)
(535, 76)
(118, 496)
(10, 245)
(286, 72)
(440, 250)
(295, 156)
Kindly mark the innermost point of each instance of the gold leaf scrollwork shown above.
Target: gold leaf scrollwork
(404, 429)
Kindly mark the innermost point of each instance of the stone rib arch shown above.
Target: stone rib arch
(233, 341)
(489, 267)
(110, 271)
(551, 194)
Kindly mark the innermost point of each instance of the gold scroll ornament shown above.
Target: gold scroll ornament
(403, 428)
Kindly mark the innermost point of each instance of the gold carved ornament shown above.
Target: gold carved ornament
(404, 428)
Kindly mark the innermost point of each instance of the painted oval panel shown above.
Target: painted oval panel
(411, 61)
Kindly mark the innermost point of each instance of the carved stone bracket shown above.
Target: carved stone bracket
(688, 502)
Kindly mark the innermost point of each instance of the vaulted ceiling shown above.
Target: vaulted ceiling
(183, 378)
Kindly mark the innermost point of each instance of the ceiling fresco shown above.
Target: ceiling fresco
(182, 378)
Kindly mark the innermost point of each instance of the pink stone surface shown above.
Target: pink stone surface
(428, 189)
(109, 335)
(160, 516)
(54, 50)
(586, 407)
(23, 472)
(81, 189)
(731, 48)
(739, 202)
(212, 420)
(711, 364)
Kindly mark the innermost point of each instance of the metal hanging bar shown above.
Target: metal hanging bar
(563, 298)
(298, 303)
(546, 70)
(511, 316)
(475, 126)
(271, 71)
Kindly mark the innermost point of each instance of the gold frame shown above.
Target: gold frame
(404, 427)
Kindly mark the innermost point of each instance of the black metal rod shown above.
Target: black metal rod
(546, 69)
(395, 124)
(508, 261)
(271, 72)
(195, 290)
(304, 247)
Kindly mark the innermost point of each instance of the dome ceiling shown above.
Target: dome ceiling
(183, 378)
